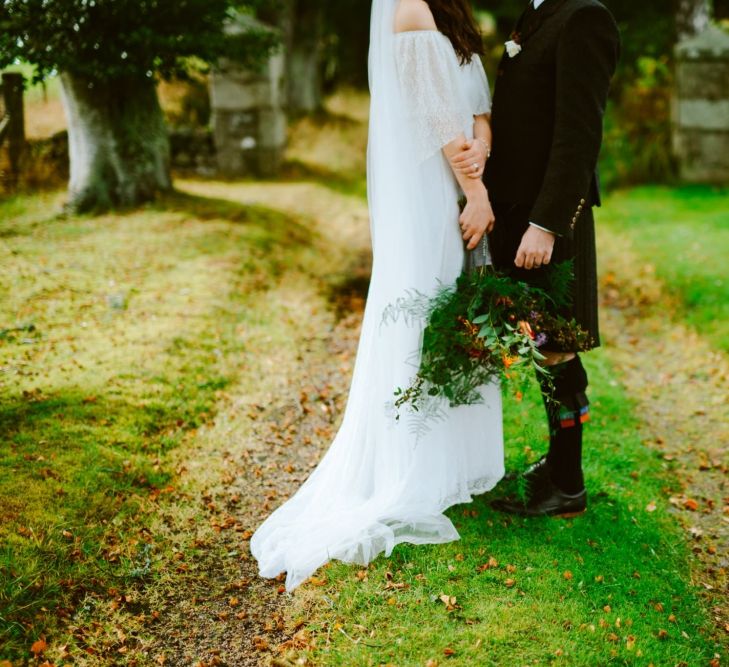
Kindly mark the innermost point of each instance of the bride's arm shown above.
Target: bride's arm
(477, 217)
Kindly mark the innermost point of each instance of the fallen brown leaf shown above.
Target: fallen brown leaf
(449, 601)
(260, 643)
(39, 646)
(691, 504)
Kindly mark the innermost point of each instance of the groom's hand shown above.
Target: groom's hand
(535, 249)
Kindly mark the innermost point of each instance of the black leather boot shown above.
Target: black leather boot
(545, 499)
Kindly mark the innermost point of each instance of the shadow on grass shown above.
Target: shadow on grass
(284, 229)
(349, 183)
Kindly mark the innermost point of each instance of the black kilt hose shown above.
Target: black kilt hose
(547, 117)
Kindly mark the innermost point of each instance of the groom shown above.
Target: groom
(547, 116)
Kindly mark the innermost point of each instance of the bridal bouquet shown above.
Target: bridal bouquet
(487, 327)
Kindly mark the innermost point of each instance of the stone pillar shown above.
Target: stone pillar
(701, 107)
(249, 120)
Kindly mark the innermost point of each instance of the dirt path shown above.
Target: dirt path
(209, 607)
(680, 386)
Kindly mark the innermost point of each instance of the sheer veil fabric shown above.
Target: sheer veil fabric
(384, 480)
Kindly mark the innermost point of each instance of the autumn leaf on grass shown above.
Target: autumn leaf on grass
(260, 643)
(492, 563)
(510, 582)
(651, 506)
(567, 575)
(448, 651)
(39, 646)
(691, 504)
(449, 601)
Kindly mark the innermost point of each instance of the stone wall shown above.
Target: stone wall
(701, 107)
(46, 160)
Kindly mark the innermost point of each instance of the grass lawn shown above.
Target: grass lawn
(608, 588)
(115, 333)
(684, 234)
(119, 336)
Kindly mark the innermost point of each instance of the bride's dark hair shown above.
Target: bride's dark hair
(455, 20)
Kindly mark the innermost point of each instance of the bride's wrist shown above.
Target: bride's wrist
(475, 189)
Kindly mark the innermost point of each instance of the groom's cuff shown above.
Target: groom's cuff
(544, 229)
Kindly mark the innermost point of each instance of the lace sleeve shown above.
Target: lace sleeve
(479, 93)
(431, 82)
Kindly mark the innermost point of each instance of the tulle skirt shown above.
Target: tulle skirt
(386, 480)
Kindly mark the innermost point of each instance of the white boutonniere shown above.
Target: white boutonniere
(513, 48)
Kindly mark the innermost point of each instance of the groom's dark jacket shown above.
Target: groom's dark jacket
(548, 112)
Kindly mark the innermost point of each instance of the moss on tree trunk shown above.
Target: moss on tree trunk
(118, 144)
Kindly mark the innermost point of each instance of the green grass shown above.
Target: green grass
(684, 233)
(115, 337)
(596, 590)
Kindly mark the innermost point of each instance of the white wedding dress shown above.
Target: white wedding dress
(384, 481)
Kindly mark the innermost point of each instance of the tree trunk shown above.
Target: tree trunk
(303, 29)
(692, 17)
(118, 144)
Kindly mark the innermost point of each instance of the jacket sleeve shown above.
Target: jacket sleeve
(587, 55)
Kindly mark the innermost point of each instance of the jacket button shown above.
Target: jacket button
(583, 202)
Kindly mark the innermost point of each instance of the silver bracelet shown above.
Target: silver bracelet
(486, 146)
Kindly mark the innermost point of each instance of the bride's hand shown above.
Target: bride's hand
(477, 218)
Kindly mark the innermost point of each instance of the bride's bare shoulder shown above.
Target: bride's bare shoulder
(414, 15)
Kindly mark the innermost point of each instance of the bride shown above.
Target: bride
(387, 480)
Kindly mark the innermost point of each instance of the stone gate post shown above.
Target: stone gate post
(701, 107)
(249, 118)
